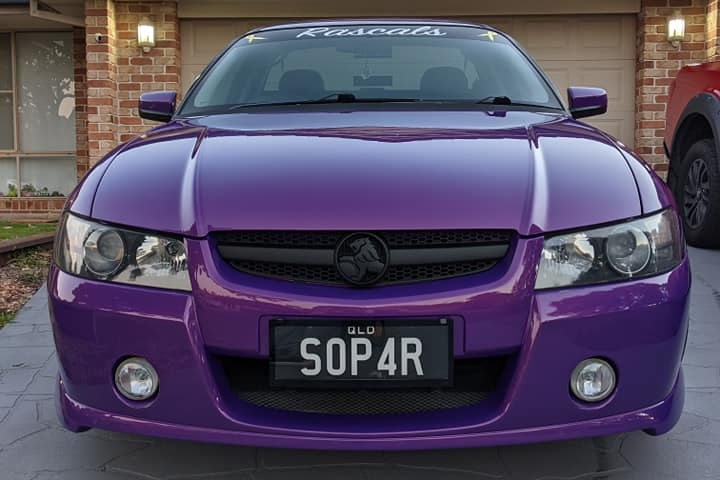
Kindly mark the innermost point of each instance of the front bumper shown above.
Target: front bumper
(640, 326)
(656, 419)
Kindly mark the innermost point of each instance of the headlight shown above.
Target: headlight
(102, 252)
(639, 248)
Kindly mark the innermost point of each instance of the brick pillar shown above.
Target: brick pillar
(81, 115)
(658, 64)
(711, 30)
(101, 77)
(118, 71)
(138, 71)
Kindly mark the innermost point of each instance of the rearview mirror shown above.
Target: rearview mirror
(587, 101)
(158, 106)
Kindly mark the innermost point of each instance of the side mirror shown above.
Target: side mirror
(158, 106)
(587, 101)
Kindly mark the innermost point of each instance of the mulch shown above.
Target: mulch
(20, 278)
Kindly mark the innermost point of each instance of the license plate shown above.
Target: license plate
(361, 354)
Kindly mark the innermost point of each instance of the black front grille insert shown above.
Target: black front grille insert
(394, 238)
(412, 256)
(474, 381)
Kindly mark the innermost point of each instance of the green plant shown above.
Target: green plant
(12, 190)
(10, 230)
(42, 192)
(6, 318)
(28, 190)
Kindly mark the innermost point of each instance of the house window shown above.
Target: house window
(37, 114)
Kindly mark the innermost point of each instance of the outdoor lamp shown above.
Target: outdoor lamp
(146, 34)
(676, 29)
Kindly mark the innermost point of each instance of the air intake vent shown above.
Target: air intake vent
(474, 381)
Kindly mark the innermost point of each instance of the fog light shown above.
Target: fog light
(592, 380)
(136, 379)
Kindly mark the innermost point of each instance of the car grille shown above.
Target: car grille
(473, 382)
(413, 256)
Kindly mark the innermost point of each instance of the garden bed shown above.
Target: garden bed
(20, 278)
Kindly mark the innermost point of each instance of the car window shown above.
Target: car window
(457, 64)
(400, 70)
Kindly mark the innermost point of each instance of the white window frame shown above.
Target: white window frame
(16, 153)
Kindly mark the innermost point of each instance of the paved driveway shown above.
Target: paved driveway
(33, 447)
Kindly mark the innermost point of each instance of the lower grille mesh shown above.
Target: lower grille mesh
(474, 381)
(361, 402)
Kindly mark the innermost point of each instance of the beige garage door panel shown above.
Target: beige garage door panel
(583, 50)
(617, 78)
(577, 37)
(396, 8)
(619, 125)
(201, 40)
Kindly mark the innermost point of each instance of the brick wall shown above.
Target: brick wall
(101, 60)
(140, 72)
(658, 64)
(30, 208)
(81, 102)
(119, 71)
(711, 30)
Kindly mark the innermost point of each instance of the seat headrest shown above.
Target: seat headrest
(305, 84)
(444, 82)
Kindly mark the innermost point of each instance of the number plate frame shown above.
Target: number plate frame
(346, 381)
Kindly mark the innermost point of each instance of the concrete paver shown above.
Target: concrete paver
(34, 447)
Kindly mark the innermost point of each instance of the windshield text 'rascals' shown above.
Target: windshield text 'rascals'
(372, 32)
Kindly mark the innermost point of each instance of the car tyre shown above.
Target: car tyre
(698, 194)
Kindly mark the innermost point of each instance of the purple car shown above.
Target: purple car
(371, 235)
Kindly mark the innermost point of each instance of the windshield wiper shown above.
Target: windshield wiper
(505, 100)
(495, 100)
(332, 98)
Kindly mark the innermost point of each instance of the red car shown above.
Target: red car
(692, 143)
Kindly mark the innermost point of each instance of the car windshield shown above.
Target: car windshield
(372, 63)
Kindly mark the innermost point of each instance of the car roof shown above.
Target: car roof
(369, 21)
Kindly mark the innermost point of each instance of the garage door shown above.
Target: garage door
(587, 50)
(591, 50)
(201, 40)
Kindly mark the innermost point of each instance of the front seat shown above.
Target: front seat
(440, 83)
(301, 85)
